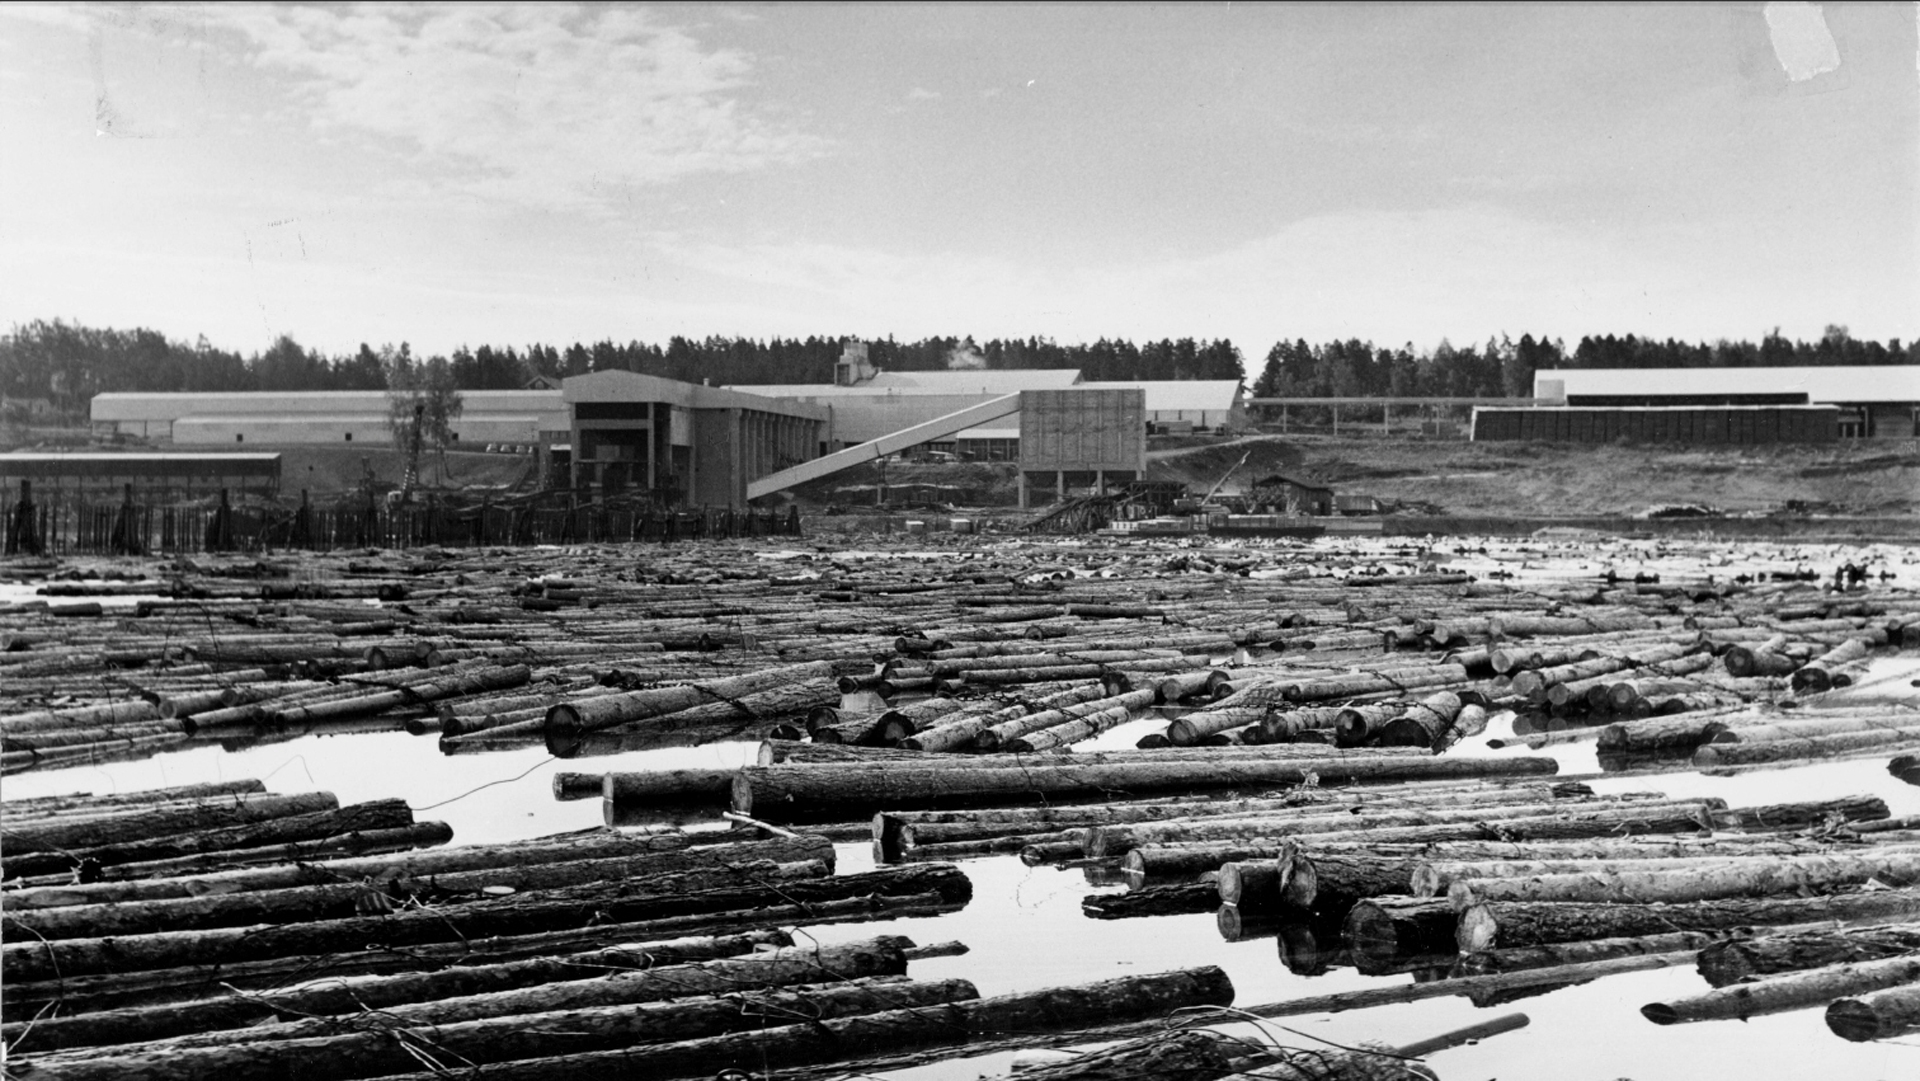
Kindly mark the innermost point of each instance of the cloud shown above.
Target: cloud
(541, 104)
(1388, 276)
(921, 93)
(57, 15)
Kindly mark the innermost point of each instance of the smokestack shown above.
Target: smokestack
(852, 367)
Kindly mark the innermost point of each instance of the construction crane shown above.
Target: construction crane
(1196, 506)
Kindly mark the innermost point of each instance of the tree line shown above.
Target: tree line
(1503, 368)
(65, 364)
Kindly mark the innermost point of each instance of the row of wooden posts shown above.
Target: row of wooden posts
(38, 527)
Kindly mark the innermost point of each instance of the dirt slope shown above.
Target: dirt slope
(1880, 477)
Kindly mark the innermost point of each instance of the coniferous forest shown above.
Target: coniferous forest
(65, 364)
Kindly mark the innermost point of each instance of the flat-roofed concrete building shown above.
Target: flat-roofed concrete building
(682, 442)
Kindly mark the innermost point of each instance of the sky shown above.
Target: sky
(468, 174)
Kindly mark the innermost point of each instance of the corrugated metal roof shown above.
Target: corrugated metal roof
(348, 418)
(1839, 383)
(907, 383)
(1175, 395)
(128, 405)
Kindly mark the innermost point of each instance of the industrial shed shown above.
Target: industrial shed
(1874, 401)
(315, 416)
(100, 473)
(1280, 494)
(1081, 436)
(1215, 404)
(680, 442)
(1708, 425)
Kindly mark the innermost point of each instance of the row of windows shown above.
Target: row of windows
(241, 437)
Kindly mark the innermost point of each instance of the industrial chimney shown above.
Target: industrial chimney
(852, 368)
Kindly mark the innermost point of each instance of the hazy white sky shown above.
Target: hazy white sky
(479, 173)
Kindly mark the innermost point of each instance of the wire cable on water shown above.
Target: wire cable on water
(550, 759)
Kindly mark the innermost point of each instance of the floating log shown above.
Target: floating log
(1890, 1013)
(346, 898)
(1817, 674)
(1007, 732)
(1426, 723)
(1758, 877)
(1479, 986)
(1147, 862)
(1251, 884)
(549, 910)
(833, 1039)
(1714, 755)
(606, 711)
(1390, 680)
(42, 805)
(382, 1050)
(1180, 899)
(1523, 923)
(618, 974)
(798, 793)
(1329, 884)
(474, 681)
(68, 832)
(1398, 926)
(1779, 994)
(1555, 954)
(1491, 814)
(1807, 727)
(666, 787)
(1768, 954)
(1197, 1053)
(373, 815)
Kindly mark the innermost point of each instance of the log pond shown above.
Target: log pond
(1025, 927)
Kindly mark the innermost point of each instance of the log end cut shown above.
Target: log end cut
(1853, 1019)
